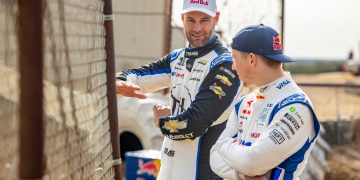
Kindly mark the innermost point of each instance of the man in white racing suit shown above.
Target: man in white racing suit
(203, 88)
(272, 129)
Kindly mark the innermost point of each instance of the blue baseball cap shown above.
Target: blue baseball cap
(261, 40)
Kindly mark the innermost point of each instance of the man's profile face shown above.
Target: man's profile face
(198, 27)
(242, 67)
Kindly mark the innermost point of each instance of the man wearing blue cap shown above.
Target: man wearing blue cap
(272, 129)
(203, 89)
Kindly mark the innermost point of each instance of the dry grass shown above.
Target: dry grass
(338, 103)
(333, 103)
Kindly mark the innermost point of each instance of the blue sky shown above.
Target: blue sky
(321, 29)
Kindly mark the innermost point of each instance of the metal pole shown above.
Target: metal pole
(31, 126)
(167, 27)
(282, 18)
(359, 52)
(282, 22)
(111, 88)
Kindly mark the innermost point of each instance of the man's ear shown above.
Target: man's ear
(182, 17)
(253, 59)
(216, 18)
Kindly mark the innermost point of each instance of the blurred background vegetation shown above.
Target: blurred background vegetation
(314, 66)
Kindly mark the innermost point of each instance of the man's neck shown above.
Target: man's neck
(269, 76)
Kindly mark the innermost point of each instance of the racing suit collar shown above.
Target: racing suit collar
(201, 51)
(266, 88)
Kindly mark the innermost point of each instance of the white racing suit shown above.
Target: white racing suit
(203, 87)
(271, 129)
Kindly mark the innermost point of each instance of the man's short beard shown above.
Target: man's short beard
(203, 43)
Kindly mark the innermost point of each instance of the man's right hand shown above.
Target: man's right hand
(265, 176)
(159, 111)
(128, 89)
(256, 178)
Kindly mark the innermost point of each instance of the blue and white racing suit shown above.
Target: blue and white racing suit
(203, 87)
(271, 129)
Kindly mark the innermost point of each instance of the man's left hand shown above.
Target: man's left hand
(265, 176)
(159, 111)
(256, 178)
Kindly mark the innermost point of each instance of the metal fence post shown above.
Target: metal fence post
(31, 126)
(111, 88)
(167, 27)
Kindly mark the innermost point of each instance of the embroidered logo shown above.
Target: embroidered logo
(174, 125)
(217, 90)
(277, 43)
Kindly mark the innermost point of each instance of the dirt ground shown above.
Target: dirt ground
(332, 77)
(344, 160)
(333, 103)
(345, 163)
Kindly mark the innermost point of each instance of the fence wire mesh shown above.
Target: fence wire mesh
(77, 135)
(334, 103)
(77, 130)
(9, 91)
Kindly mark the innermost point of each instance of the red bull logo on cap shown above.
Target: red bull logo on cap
(151, 168)
(277, 43)
(203, 2)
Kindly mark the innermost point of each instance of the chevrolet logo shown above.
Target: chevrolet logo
(203, 62)
(223, 79)
(174, 125)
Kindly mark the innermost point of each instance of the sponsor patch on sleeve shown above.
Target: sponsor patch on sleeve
(292, 120)
(226, 57)
(223, 79)
(276, 136)
(217, 90)
(174, 125)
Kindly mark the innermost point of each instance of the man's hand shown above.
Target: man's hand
(256, 178)
(128, 89)
(265, 176)
(159, 111)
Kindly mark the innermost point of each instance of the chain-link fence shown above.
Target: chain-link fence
(77, 131)
(334, 101)
(337, 107)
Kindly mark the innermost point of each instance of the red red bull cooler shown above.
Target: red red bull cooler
(142, 164)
